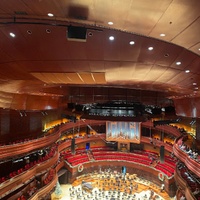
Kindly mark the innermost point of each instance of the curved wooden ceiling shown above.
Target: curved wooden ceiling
(40, 67)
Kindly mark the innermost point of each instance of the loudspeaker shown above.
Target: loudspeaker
(73, 146)
(162, 154)
(87, 130)
(71, 105)
(76, 33)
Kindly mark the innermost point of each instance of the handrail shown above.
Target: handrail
(165, 128)
(191, 164)
(19, 180)
(8, 151)
(14, 150)
(45, 190)
(159, 143)
(183, 184)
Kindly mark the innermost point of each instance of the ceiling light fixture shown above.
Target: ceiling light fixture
(111, 38)
(166, 55)
(29, 32)
(187, 71)
(162, 35)
(50, 14)
(110, 23)
(150, 48)
(194, 83)
(48, 31)
(131, 42)
(196, 88)
(12, 35)
(178, 63)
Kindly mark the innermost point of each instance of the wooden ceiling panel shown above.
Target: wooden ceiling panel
(130, 52)
(195, 48)
(154, 73)
(141, 12)
(100, 11)
(8, 43)
(109, 66)
(141, 71)
(99, 78)
(80, 66)
(111, 48)
(42, 77)
(179, 77)
(96, 66)
(53, 7)
(71, 78)
(194, 66)
(52, 77)
(176, 18)
(149, 56)
(77, 50)
(95, 49)
(87, 78)
(186, 58)
(167, 75)
(188, 38)
(75, 78)
(165, 55)
(7, 6)
(62, 78)
(47, 66)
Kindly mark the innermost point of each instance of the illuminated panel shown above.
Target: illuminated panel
(123, 131)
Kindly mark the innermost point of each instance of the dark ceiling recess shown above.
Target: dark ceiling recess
(76, 33)
(78, 12)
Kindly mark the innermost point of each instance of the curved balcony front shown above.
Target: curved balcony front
(191, 163)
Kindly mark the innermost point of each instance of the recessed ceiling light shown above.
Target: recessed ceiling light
(162, 35)
(110, 23)
(178, 63)
(150, 48)
(48, 31)
(194, 83)
(12, 34)
(166, 55)
(90, 34)
(29, 32)
(131, 42)
(50, 14)
(196, 88)
(111, 38)
(187, 71)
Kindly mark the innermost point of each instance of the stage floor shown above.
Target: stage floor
(108, 187)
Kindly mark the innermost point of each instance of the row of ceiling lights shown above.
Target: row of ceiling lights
(109, 23)
(112, 38)
(131, 43)
(150, 49)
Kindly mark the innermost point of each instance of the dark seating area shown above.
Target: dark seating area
(23, 164)
(192, 180)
